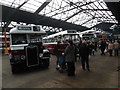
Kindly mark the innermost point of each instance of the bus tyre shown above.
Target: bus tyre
(14, 69)
(46, 63)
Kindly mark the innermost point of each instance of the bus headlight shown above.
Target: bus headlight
(40, 55)
(22, 57)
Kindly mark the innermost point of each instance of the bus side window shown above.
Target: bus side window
(24, 41)
(18, 42)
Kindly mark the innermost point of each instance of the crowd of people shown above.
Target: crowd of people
(84, 49)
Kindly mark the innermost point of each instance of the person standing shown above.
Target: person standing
(116, 48)
(40, 47)
(91, 47)
(58, 53)
(84, 54)
(110, 48)
(70, 58)
(102, 47)
(96, 45)
(78, 48)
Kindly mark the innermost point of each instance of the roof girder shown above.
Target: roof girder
(6, 25)
(37, 19)
(78, 11)
(42, 6)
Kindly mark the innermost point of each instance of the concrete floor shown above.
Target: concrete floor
(103, 75)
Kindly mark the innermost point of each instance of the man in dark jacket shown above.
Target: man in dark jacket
(69, 54)
(84, 54)
(40, 47)
(102, 47)
(58, 53)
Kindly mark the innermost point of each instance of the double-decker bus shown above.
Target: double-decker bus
(25, 48)
(50, 41)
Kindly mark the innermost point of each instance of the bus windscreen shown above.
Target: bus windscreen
(19, 39)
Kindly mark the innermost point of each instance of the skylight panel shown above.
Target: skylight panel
(30, 6)
(6, 2)
(88, 6)
(11, 3)
(52, 7)
(103, 5)
(35, 3)
(93, 5)
(110, 13)
(28, 9)
(55, 4)
(79, 19)
(98, 5)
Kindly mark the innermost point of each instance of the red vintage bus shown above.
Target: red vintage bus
(50, 41)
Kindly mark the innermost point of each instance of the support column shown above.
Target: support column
(6, 45)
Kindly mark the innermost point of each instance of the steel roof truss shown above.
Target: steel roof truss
(42, 6)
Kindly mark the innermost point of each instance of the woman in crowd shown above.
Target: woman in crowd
(110, 48)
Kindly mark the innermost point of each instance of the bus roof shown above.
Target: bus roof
(61, 33)
(25, 29)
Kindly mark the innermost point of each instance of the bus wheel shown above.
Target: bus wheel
(14, 69)
(46, 63)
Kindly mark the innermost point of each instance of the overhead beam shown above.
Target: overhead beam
(87, 21)
(64, 11)
(97, 9)
(10, 15)
(42, 6)
(22, 4)
(103, 26)
(30, 18)
(78, 11)
(73, 15)
(69, 9)
(107, 12)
